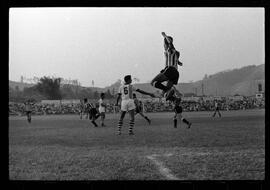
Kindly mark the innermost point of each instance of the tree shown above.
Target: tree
(108, 94)
(67, 92)
(50, 88)
(96, 95)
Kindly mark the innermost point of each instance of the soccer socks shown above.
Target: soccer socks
(120, 123)
(148, 120)
(94, 123)
(185, 121)
(175, 122)
(131, 125)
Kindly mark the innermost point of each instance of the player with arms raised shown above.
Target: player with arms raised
(170, 72)
(127, 104)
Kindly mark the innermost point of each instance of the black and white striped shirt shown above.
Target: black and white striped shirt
(171, 58)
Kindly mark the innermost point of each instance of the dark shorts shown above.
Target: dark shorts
(178, 109)
(138, 109)
(28, 112)
(171, 73)
(93, 111)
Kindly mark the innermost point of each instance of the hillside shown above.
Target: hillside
(243, 81)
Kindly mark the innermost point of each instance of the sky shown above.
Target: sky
(105, 44)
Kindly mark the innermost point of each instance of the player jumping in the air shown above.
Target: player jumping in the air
(216, 109)
(28, 110)
(101, 108)
(170, 72)
(127, 103)
(139, 108)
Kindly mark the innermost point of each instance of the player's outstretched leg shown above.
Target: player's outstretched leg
(94, 123)
(148, 120)
(187, 122)
(145, 117)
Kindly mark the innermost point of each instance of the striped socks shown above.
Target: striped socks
(131, 125)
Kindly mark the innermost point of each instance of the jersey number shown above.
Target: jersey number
(125, 90)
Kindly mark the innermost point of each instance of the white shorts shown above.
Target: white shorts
(127, 105)
(101, 109)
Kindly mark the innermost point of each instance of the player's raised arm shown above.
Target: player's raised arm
(146, 93)
(166, 37)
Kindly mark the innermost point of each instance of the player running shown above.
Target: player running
(101, 108)
(178, 113)
(139, 108)
(91, 111)
(127, 104)
(216, 109)
(170, 72)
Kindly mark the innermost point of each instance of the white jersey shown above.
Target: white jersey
(126, 90)
(101, 107)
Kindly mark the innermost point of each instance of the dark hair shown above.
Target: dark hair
(134, 95)
(102, 94)
(127, 78)
(85, 100)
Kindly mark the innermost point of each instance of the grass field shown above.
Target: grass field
(66, 148)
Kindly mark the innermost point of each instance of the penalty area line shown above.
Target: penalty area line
(162, 169)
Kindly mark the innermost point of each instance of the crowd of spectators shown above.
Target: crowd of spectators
(149, 106)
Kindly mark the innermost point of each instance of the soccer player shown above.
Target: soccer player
(81, 108)
(93, 114)
(139, 108)
(86, 108)
(127, 104)
(101, 109)
(91, 111)
(28, 110)
(170, 72)
(216, 109)
(178, 112)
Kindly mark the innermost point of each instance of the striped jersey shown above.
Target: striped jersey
(88, 106)
(171, 58)
(126, 90)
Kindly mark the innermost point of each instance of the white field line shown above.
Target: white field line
(167, 172)
(163, 170)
